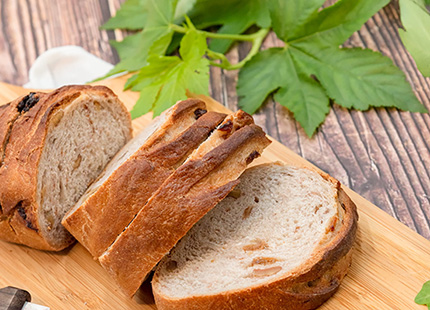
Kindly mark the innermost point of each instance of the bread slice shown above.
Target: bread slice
(281, 240)
(208, 175)
(138, 170)
(58, 144)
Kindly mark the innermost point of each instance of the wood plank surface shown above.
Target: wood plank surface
(382, 154)
(389, 266)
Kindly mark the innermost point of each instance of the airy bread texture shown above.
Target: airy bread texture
(57, 146)
(137, 172)
(281, 240)
(187, 195)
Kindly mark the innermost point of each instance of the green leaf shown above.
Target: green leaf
(182, 9)
(423, 297)
(134, 49)
(144, 104)
(275, 70)
(131, 15)
(335, 24)
(262, 75)
(161, 13)
(357, 78)
(166, 79)
(129, 51)
(171, 90)
(311, 68)
(156, 37)
(303, 75)
(174, 44)
(234, 17)
(127, 47)
(289, 15)
(416, 21)
(158, 67)
(193, 46)
(305, 97)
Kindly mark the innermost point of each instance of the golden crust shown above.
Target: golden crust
(11, 217)
(127, 190)
(20, 222)
(278, 295)
(306, 287)
(8, 115)
(185, 197)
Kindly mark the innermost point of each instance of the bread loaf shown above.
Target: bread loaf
(137, 171)
(54, 145)
(282, 240)
(207, 176)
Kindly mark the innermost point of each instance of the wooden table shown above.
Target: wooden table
(382, 154)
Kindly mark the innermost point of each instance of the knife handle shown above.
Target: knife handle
(12, 298)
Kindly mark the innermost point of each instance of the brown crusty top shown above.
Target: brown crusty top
(185, 197)
(127, 190)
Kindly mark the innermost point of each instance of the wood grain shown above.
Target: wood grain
(390, 262)
(383, 154)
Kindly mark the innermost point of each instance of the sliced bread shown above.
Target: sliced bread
(137, 172)
(282, 240)
(57, 145)
(207, 176)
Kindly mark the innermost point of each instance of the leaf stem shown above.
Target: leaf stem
(226, 36)
(256, 39)
(225, 63)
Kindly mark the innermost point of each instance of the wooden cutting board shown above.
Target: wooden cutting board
(390, 265)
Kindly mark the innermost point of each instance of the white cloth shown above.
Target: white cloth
(65, 65)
